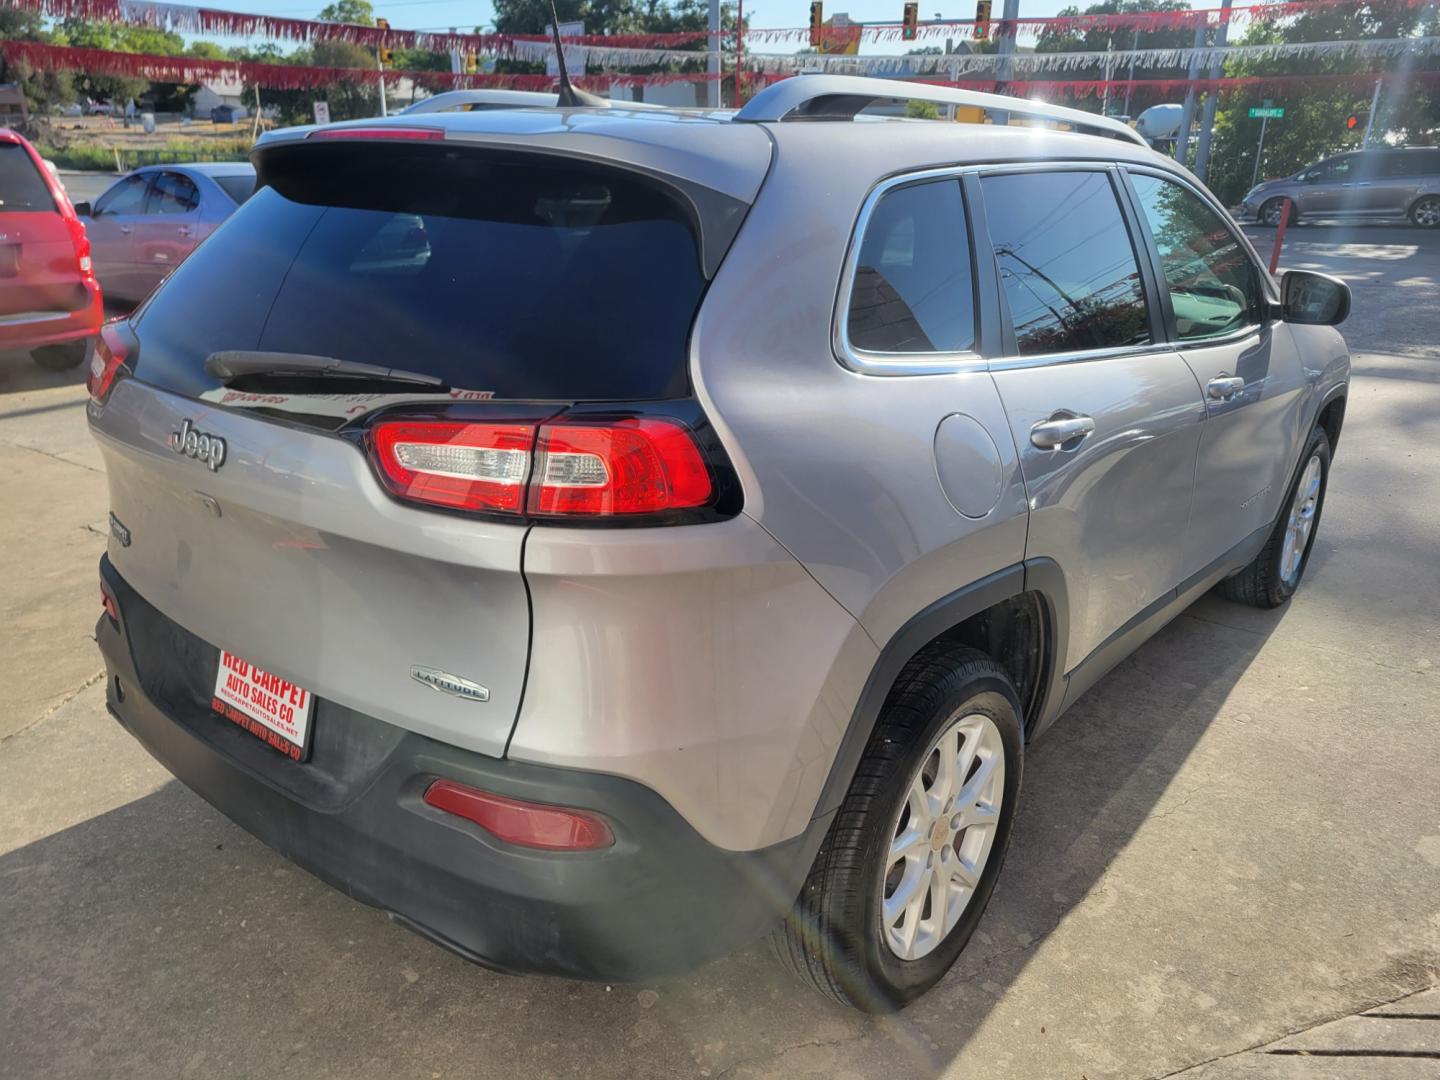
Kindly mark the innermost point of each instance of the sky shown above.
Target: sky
(467, 14)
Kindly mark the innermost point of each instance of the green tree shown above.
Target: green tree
(1314, 124)
(1067, 39)
(117, 38)
(44, 90)
(356, 12)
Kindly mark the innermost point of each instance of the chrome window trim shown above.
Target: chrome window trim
(943, 363)
(864, 361)
(1013, 363)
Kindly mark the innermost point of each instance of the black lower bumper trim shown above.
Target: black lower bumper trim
(661, 900)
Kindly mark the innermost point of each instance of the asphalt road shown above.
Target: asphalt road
(1226, 864)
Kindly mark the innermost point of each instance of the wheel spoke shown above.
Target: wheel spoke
(908, 842)
(965, 873)
(946, 780)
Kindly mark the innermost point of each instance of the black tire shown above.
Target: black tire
(1425, 212)
(1270, 211)
(832, 939)
(1261, 584)
(59, 357)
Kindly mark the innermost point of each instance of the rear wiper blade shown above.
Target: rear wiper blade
(234, 364)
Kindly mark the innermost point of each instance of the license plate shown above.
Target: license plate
(272, 709)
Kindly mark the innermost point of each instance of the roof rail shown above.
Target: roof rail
(474, 100)
(481, 99)
(841, 97)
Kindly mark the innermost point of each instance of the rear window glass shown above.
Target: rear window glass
(21, 186)
(238, 188)
(912, 290)
(506, 276)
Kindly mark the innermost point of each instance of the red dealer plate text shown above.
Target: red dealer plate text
(270, 708)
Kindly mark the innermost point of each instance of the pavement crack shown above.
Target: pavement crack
(1264, 1047)
(56, 457)
(774, 1056)
(71, 696)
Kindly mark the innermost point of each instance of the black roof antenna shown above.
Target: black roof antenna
(568, 96)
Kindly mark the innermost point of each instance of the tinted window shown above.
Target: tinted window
(1332, 170)
(1213, 285)
(1066, 262)
(126, 197)
(913, 290)
(172, 193)
(1410, 163)
(238, 188)
(500, 275)
(21, 186)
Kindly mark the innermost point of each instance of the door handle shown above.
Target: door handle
(1225, 387)
(185, 230)
(127, 229)
(1058, 430)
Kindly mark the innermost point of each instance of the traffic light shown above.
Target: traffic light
(472, 63)
(386, 53)
(982, 20)
(911, 21)
(817, 22)
(1352, 122)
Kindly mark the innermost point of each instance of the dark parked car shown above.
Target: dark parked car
(49, 298)
(152, 218)
(226, 114)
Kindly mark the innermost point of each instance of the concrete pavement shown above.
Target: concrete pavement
(1227, 848)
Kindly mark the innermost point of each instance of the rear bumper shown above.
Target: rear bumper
(30, 330)
(661, 900)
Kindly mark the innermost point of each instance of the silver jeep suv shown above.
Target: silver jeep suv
(601, 538)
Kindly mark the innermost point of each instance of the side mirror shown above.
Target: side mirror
(1313, 299)
(84, 209)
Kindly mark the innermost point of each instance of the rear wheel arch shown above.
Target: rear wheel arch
(1332, 418)
(1017, 616)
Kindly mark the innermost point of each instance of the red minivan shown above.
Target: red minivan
(49, 298)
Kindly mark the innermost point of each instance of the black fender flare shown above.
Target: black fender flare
(1040, 576)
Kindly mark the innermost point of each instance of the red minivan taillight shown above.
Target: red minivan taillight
(106, 362)
(564, 467)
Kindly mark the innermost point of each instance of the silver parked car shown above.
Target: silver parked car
(600, 539)
(150, 219)
(1366, 184)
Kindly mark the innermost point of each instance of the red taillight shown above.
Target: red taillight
(580, 468)
(533, 825)
(106, 362)
(632, 466)
(80, 243)
(465, 466)
(400, 133)
(107, 601)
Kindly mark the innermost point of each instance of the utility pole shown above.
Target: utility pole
(1212, 96)
(1105, 93)
(380, 67)
(1130, 79)
(1370, 121)
(1005, 68)
(1187, 114)
(1259, 151)
(712, 65)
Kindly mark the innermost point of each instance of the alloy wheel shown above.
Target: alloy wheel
(1427, 213)
(1300, 521)
(943, 836)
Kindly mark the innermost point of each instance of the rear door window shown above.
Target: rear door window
(912, 290)
(172, 193)
(506, 276)
(22, 188)
(1067, 266)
